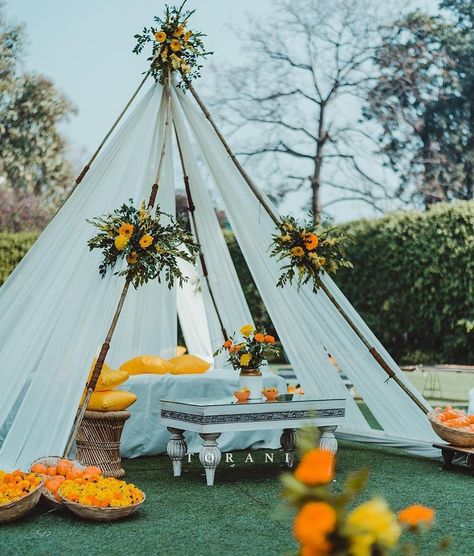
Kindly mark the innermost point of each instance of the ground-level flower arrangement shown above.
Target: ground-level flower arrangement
(101, 492)
(327, 522)
(251, 351)
(149, 245)
(16, 485)
(307, 251)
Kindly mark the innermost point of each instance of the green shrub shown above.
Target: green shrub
(13, 247)
(413, 282)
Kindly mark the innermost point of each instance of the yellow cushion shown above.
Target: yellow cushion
(108, 378)
(111, 400)
(188, 364)
(180, 350)
(147, 364)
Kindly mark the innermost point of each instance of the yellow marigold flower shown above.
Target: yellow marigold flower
(175, 45)
(297, 251)
(121, 242)
(146, 241)
(160, 36)
(126, 229)
(245, 359)
(416, 515)
(316, 467)
(370, 523)
(247, 330)
(132, 258)
(178, 31)
(314, 521)
(187, 36)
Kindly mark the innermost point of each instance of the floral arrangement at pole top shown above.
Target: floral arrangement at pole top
(308, 251)
(250, 353)
(148, 246)
(324, 524)
(175, 48)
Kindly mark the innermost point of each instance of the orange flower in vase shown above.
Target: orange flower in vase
(270, 394)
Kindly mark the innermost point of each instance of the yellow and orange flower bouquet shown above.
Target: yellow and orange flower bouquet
(327, 523)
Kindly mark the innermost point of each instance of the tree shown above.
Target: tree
(295, 101)
(32, 150)
(423, 100)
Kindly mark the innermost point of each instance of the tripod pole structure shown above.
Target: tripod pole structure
(276, 219)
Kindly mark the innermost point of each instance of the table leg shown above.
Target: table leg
(327, 440)
(448, 456)
(210, 455)
(288, 443)
(176, 449)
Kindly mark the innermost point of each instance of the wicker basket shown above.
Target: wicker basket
(98, 441)
(51, 461)
(18, 508)
(453, 436)
(101, 514)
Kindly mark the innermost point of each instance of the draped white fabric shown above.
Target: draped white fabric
(306, 323)
(192, 314)
(55, 309)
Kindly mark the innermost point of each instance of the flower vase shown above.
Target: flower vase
(251, 379)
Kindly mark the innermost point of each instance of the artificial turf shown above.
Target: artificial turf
(242, 513)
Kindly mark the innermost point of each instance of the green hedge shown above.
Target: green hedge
(413, 282)
(13, 248)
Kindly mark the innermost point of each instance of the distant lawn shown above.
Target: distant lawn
(242, 513)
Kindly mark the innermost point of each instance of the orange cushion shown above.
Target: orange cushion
(147, 364)
(188, 364)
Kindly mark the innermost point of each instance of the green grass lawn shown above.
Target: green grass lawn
(242, 513)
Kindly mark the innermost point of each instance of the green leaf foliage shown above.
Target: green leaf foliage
(13, 247)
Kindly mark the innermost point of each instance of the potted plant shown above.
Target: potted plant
(248, 356)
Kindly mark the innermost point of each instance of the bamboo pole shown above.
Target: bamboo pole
(106, 345)
(271, 212)
(191, 209)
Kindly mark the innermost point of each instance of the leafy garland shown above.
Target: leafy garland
(148, 246)
(175, 47)
(308, 251)
(252, 351)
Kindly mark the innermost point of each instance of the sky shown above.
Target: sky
(86, 49)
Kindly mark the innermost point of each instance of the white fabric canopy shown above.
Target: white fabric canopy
(55, 309)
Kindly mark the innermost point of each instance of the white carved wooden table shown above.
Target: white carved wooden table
(211, 417)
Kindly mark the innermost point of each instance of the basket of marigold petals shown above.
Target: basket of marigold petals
(55, 470)
(100, 498)
(19, 493)
(454, 426)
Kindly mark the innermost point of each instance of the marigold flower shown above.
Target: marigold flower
(247, 330)
(285, 238)
(245, 359)
(178, 31)
(164, 54)
(146, 241)
(310, 240)
(259, 337)
(132, 258)
(228, 344)
(371, 523)
(316, 467)
(269, 339)
(121, 242)
(175, 45)
(416, 515)
(160, 36)
(297, 251)
(314, 521)
(126, 230)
